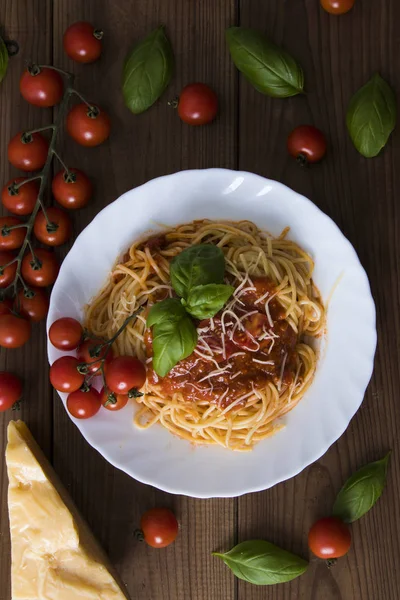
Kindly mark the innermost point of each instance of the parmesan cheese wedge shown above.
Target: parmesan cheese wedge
(54, 553)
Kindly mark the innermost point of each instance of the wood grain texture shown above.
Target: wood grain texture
(338, 55)
(29, 23)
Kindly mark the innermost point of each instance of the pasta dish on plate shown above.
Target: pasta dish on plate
(229, 315)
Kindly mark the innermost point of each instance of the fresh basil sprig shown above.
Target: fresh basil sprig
(147, 71)
(204, 301)
(262, 563)
(361, 491)
(3, 59)
(371, 116)
(197, 276)
(174, 335)
(197, 265)
(268, 68)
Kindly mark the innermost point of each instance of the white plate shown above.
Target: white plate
(155, 456)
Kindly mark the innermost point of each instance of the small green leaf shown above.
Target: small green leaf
(147, 71)
(3, 59)
(268, 68)
(262, 563)
(371, 116)
(204, 301)
(169, 309)
(172, 341)
(197, 265)
(361, 491)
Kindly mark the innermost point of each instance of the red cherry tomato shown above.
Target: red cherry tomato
(82, 42)
(40, 272)
(41, 86)
(307, 144)
(112, 401)
(28, 152)
(7, 274)
(10, 390)
(329, 538)
(6, 306)
(72, 189)
(88, 125)
(20, 201)
(86, 355)
(34, 307)
(58, 231)
(66, 334)
(125, 373)
(84, 405)
(337, 7)
(159, 527)
(11, 239)
(64, 374)
(198, 104)
(14, 331)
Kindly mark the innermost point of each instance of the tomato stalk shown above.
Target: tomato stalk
(95, 352)
(43, 176)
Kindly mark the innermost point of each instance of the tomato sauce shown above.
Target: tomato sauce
(244, 358)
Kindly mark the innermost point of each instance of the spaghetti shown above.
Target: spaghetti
(253, 361)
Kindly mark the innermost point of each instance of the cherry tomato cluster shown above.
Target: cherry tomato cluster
(20, 264)
(123, 376)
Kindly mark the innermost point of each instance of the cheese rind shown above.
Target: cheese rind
(54, 554)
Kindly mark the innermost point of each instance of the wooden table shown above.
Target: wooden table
(362, 196)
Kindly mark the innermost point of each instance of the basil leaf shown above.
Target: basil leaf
(169, 309)
(147, 71)
(361, 491)
(172, 341)
(263, 563)
(197, 265)
(3, 59)
(268, 68)
(371, 116)
(204, 301)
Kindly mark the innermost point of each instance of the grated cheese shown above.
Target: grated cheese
(281, 374)
(263, 362)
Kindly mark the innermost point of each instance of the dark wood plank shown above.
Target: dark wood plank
(140, 148)
(29, 23)
(338, 54)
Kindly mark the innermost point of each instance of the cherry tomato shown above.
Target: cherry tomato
(41, 86)
(88, 125)
(159, 527)
(34, 307)
(112, 401)
(125, 373)
(337, 7)
(72, 189)
(13, 238)
(66, 333)
(58, 231)
(64, 374)
(198, 104)
(20, 201)
(82, 42)
(7, 274)
(6, 306)
(10, 390)
(329, 538)
(83, 405)
(14, 331)
(307, 144)
(28, 152)
(41, 272)
(85, 355)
